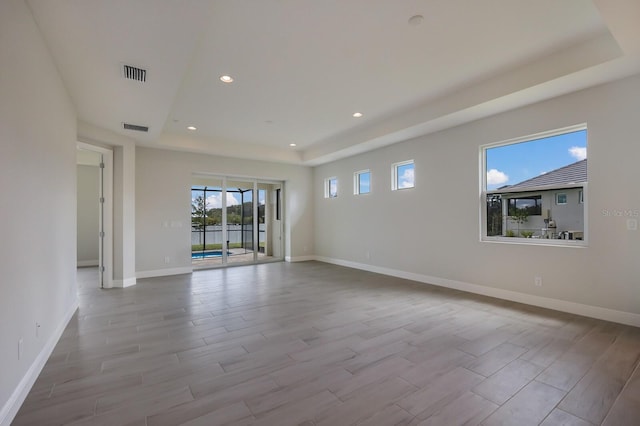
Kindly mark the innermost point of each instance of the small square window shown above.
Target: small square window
(362, 182)
(402, 175)
(561, 198)
(331, 187)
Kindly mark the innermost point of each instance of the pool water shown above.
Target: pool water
(206, 254)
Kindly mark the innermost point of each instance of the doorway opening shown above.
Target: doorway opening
(94, 212)
(235, 221)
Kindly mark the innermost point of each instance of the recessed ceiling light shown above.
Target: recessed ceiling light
(292, 144)
(191, 128)
(416, 20)
(226, 78)
(357, 114)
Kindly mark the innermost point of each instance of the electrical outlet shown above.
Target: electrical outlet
(367, 255)
(167, 259)
(20, 348)
(632, 224)
(537, 281)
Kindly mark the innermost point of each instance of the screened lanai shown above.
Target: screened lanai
(235, 221)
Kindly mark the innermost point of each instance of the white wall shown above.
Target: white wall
(432, 231)
(163, 196)
(124, 212)
(37, 206)
(88, 215)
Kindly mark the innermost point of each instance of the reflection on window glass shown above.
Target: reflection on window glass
(530, 205)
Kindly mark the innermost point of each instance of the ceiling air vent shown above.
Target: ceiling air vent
(134, 73)
(135, 127)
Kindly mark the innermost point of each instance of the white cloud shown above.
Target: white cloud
(215, 200)
(406, 179)
(496, 177)
(578, 152)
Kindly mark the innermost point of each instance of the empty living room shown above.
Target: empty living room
(279, 212)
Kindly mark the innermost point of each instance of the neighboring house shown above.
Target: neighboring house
(553, 204)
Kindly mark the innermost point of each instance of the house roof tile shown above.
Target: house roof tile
(575, 173)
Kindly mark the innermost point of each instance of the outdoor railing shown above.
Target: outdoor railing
(238, 236)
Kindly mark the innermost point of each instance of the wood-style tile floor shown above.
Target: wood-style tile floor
(316, 344)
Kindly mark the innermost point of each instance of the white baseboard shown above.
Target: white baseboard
(597, 312)
(10, 409)
(84, 263)
(299, 258)
(127, 282)
(164, 272)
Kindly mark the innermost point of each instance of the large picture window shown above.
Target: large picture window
(531, 205)
(531, 187)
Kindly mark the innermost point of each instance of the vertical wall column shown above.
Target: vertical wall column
(124, 218)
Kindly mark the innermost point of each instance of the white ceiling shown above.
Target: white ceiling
(303, 67)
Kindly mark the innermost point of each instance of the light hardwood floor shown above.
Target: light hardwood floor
(317, 344)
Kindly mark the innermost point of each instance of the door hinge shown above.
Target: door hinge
(102, 165)
(101, 234)
(101, 200)
(103, 269)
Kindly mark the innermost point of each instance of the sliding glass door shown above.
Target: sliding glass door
(235, 221)
(240, 205)
(206, 224)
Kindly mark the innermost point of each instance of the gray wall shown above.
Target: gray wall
(433, 230)
(88, 215)
(568, 217)
(38, 203)
(163, 204)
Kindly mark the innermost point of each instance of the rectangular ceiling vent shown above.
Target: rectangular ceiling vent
(135, 127)
(134, 73)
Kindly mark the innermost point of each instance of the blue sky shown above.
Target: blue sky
(365, 182)
(510, 164)
(406, 176)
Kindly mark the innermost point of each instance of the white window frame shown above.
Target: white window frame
(484, 192)
(356, 182)
(327, 187)
(566, 198)
(394, 175)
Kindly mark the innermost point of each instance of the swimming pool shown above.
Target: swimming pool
(206, 254)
